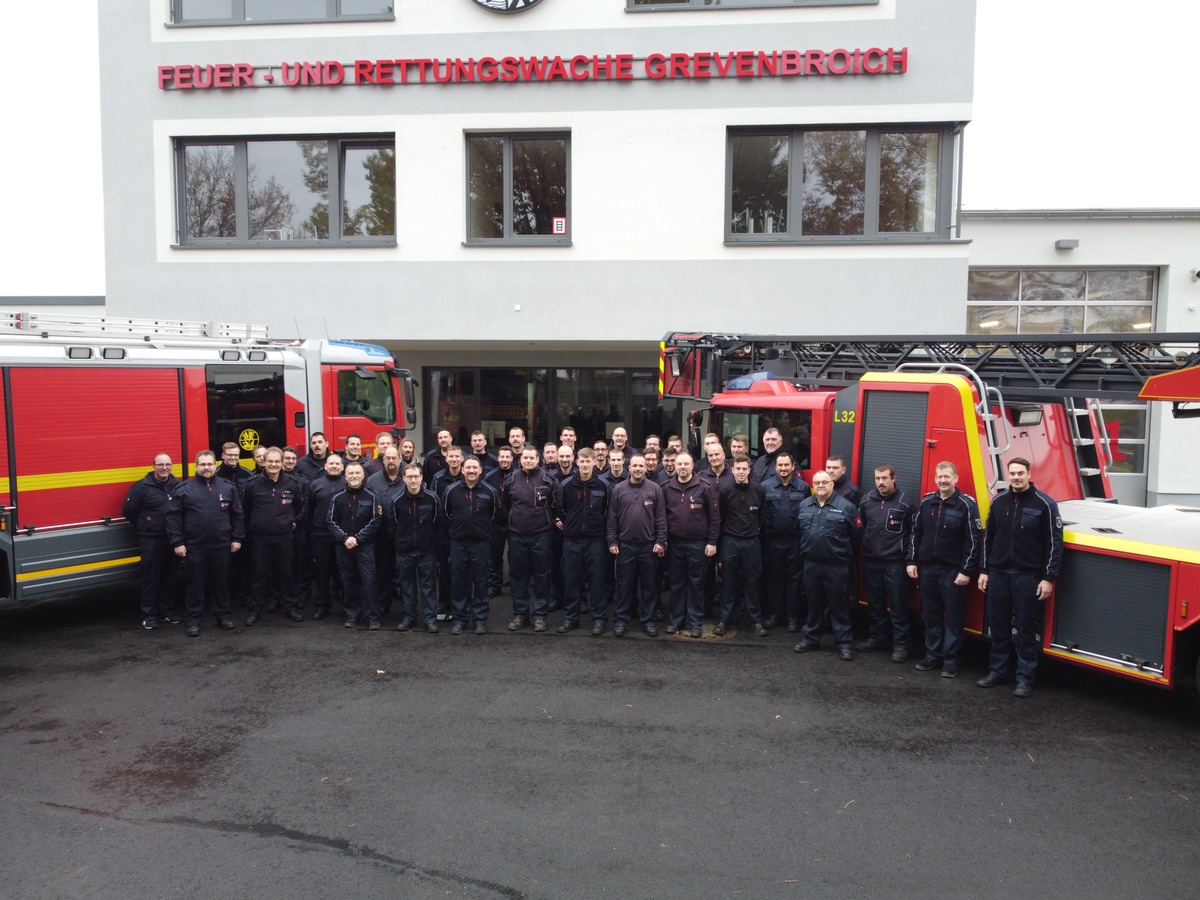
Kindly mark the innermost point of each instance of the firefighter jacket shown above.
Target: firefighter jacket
(660, 476)
(434, 462)
(764, 467)
(205, 513)
(469, 511)
(781, 506)
(414, 522)
(529, 499)
(146, 504)
(316, 501)
(693, 512)
(387, 491)
(844, 487)
(582, 508)
(1024, 534)
(831, 533)
(610, 480)
(946, 533)
(310, 468)
(715, 481)
(487, 460)
(741, 509)
(354, 513)
(495, 479)
(887, 522)
(273, 507)
(238, 476)
(637, 514)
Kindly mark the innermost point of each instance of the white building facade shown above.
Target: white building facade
(520, 205)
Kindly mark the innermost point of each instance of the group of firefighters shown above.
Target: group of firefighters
(603, 527)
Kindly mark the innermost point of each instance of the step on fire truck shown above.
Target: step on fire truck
(87, 403)
(1127, 601)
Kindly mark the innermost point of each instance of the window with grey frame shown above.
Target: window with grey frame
(518, 188)
(671, 5)
(878, 183)
(266, 191)
(252, 12)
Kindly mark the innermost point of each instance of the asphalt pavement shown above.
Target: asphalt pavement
(310, 761)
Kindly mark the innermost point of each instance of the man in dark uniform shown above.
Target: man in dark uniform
(582, 511)
(1023, 547)
(312, 466)
(435, 460)
(741, 502)
(316, 504)
(830, 532)
(452, 458)
(842, 485)
(764, 466)
(414, 517)
(528, 495)
(386, 484)
(205, 527)
(943, 553)
(146, 509)
(783, 566)
(469, 507)
(233, 473)
(273, 505)
(637, 536)
(887, 520)
(496, 478)
(480, 451)
(693, 533)
(355, 514)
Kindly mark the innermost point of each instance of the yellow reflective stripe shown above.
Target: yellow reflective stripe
(71, 570)
(58, 480)
(1164, 552)
(4, 486)
(1117, 668)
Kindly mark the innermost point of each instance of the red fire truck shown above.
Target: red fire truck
(1128, 598)
(87, 403)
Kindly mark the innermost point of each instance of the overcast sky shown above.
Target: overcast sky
(1078, 104)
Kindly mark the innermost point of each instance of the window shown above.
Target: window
(828, 185)
(660, 5)
(518, 187)
(368, 393)
(795, 426)
(1070, 301)
(1060, 301)
(272, 191)
(225, 12)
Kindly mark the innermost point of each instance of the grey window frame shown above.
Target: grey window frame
(711, 5)
(948, 133)
(338, 144)
(509, 239)
(333, 14)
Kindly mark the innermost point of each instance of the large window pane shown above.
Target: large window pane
(199, 10)
(1065, 286)
(592, 401)
(835, 179)
(989, 286)
(210, 192)
(269, 10)
(452, 403)
(1051, 320)
(288, 190)
(908, 179)
(991, 320)
(369, 397)
(369, 192)
(486, 187)
(1101, 317)
(760, 184)
(1117, 285)
(539, 191)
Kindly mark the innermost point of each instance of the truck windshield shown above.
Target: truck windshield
(360, 394)
(795, 427)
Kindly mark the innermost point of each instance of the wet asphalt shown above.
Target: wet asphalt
(313, 761)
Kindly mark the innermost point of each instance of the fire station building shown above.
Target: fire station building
(520, 197)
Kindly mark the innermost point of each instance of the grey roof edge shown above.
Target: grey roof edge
(49, 300)
(1114, 213)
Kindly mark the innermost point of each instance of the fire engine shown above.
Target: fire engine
(1127, 600)
(87, 403)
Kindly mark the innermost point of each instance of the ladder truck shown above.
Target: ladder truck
(1127, 601)
(86, 404)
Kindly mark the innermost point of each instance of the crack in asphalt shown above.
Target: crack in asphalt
(272, 830)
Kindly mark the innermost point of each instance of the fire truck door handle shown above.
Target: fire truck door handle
(931, 444)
